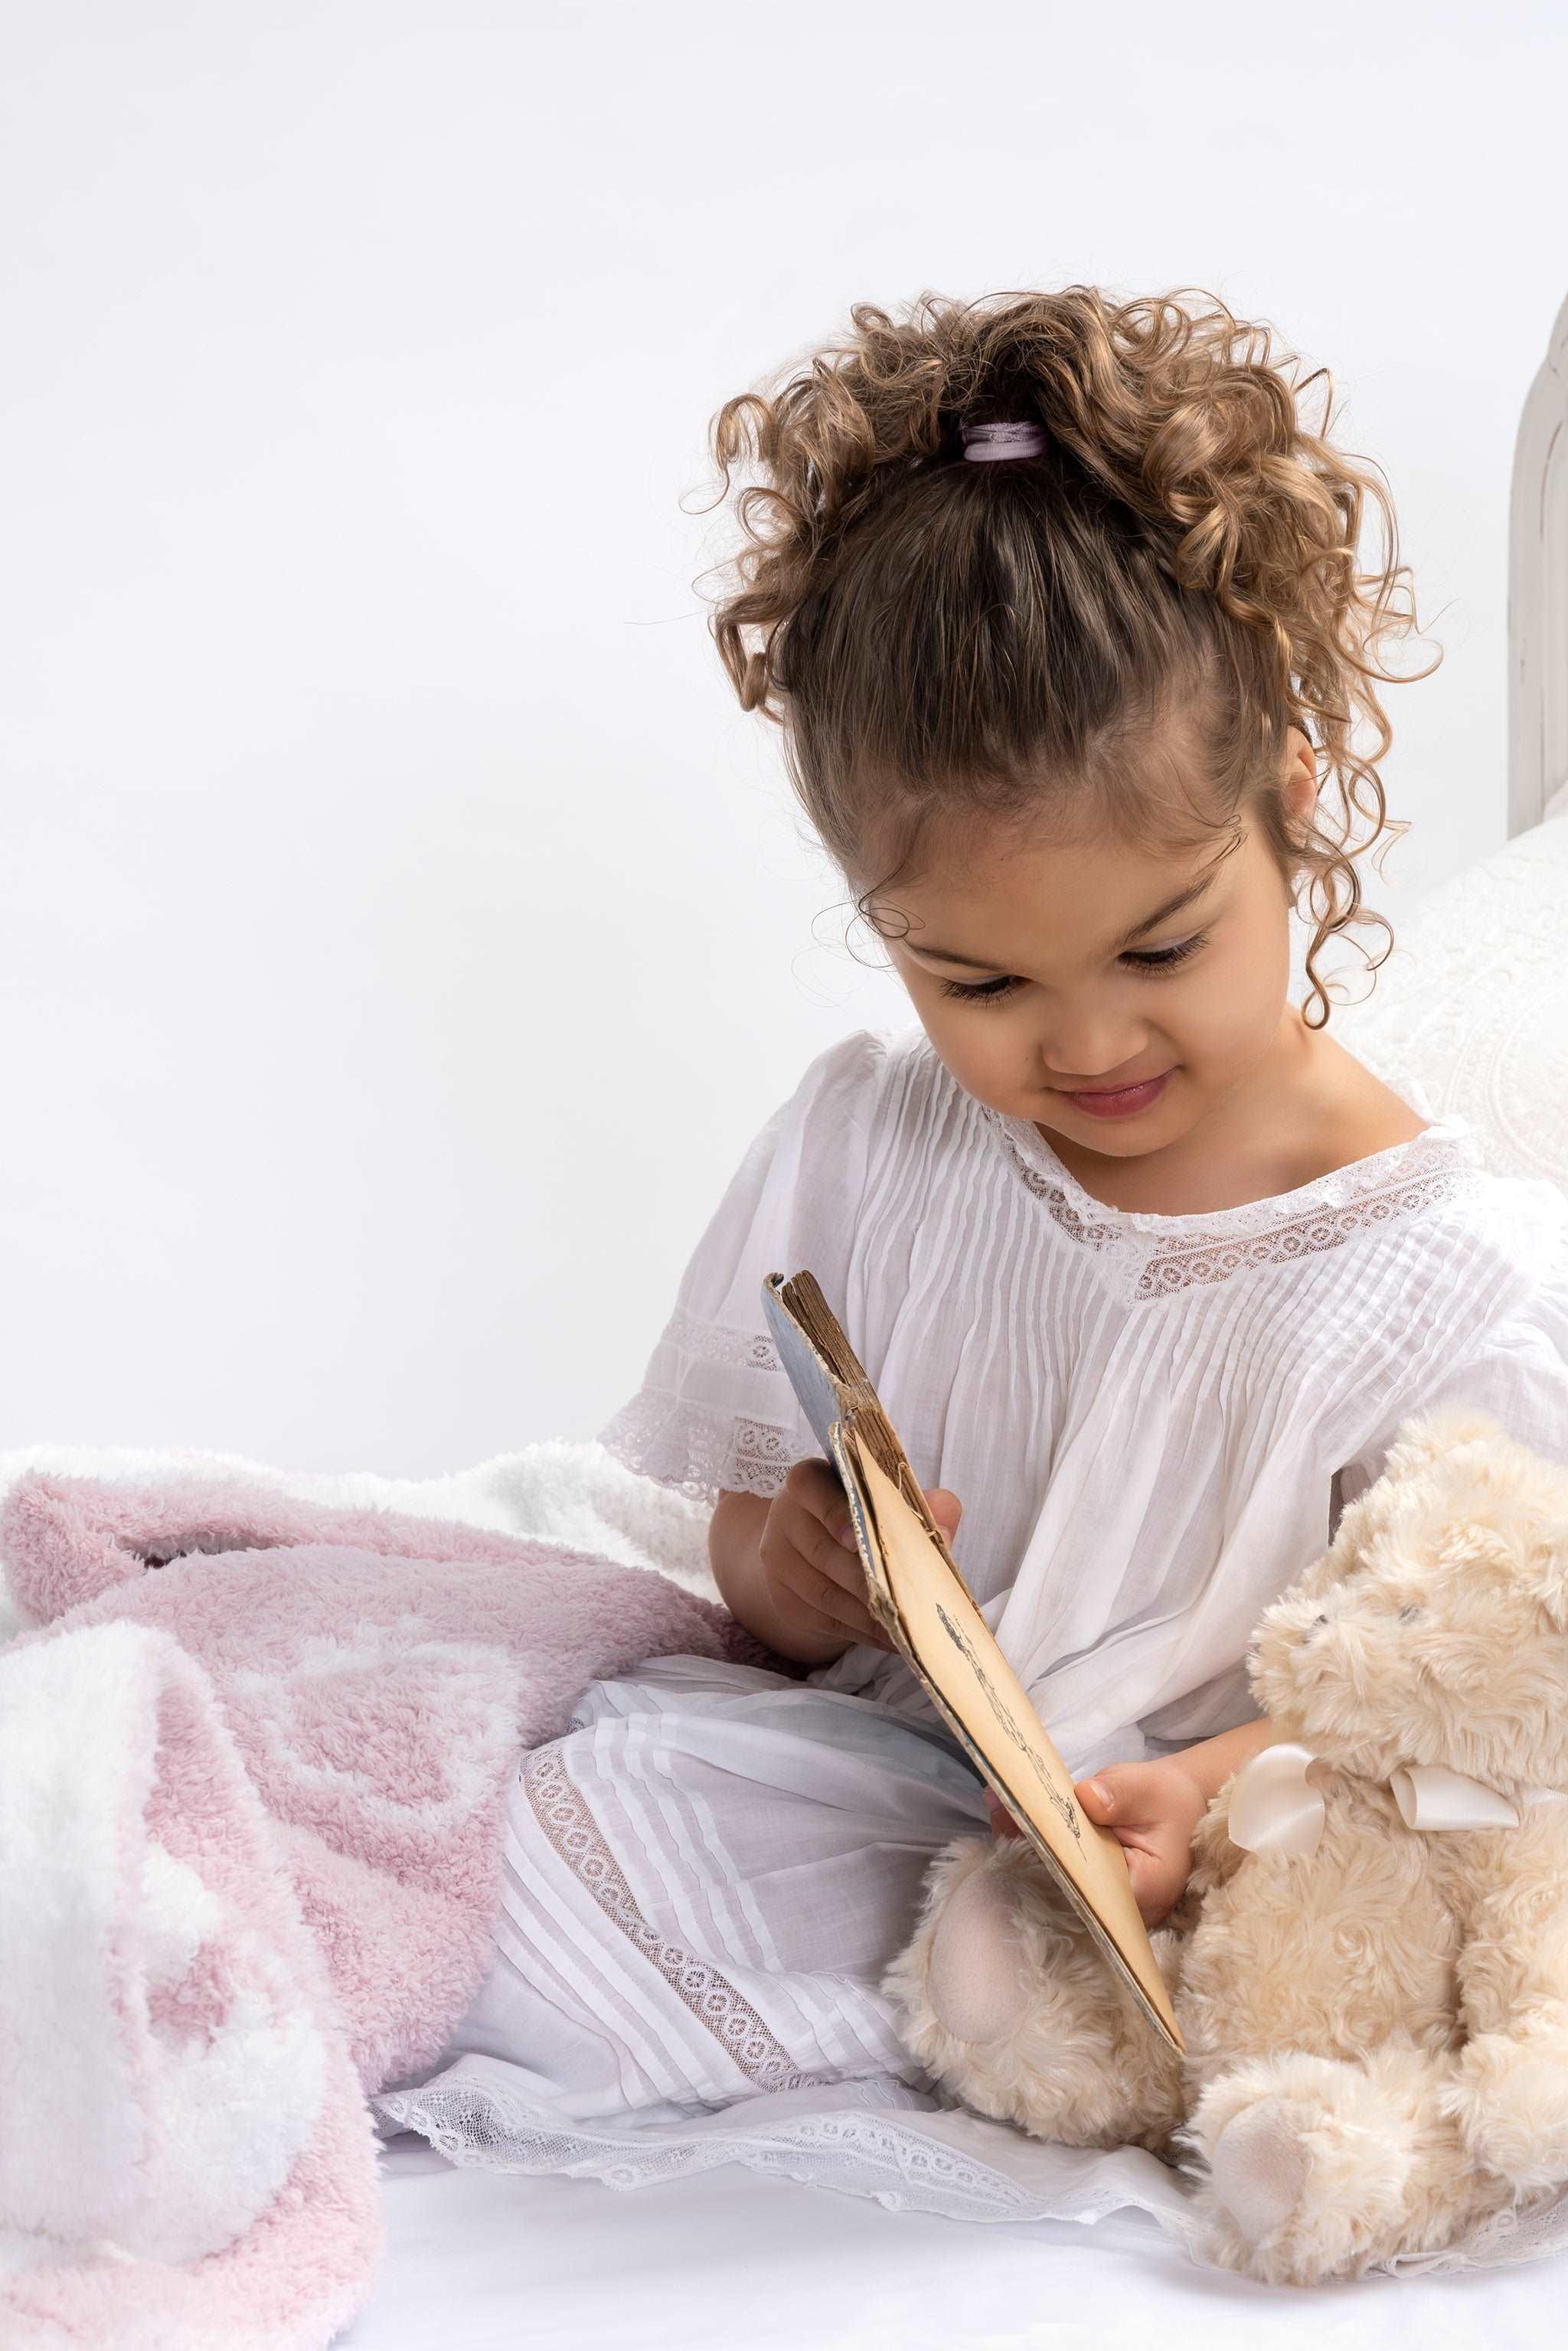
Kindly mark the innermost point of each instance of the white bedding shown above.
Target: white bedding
(1472, 1005)
(482, 2261)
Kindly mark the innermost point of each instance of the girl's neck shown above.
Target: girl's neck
(1308, 1108)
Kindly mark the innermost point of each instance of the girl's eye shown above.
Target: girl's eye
(985, 991)
(1153, 960)
(1167, 958)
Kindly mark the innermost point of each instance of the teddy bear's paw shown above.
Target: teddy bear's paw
(975, 1976)
(1259, 2168)
(960, 1977)
(1002, 1995)
(1309, 2169)
(1511, 2102)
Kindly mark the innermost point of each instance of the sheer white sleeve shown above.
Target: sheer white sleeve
(715, 1410)
(1517, 1371)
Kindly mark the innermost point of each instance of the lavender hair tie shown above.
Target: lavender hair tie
(1018, 438)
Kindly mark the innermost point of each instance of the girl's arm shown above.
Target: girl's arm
(1211, 1762)
(1153, 1808)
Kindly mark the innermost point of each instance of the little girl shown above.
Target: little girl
(1058, 602)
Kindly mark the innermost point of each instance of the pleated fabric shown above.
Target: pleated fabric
(1151, 1421)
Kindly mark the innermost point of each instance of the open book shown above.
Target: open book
(915, 1593)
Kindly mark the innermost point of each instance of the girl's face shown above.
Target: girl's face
(1113, 995)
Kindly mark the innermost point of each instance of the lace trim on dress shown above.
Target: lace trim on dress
(670, 1432)
(700, 1452)
(1148, 1256)
(903, 2165)
(861, 2154)
(713, 1342)
(563, 1813)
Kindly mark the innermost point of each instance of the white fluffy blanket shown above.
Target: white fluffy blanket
(556, 1491)
(253, 1749)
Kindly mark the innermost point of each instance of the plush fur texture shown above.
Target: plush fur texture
(253, 1762)
(1376, 2032)
(186, 2158)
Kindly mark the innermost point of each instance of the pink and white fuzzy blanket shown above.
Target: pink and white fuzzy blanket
(252, 1757)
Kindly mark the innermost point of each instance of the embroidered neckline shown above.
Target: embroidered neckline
(1158, 1254)
(1332, 1190)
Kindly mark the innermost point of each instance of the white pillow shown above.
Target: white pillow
(1472, 1005)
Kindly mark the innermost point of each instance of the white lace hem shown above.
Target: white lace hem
(851, 2136)
(699, 1453)
(847, 2135)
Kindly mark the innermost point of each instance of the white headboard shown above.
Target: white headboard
(1538, 594)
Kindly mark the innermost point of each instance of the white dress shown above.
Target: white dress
(1151, 1422)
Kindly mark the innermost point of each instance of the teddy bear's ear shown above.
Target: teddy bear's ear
(1431, 1436)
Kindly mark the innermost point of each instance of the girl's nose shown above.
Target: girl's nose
(1091, 1052)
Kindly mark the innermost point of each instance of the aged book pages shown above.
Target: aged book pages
(918, 1595)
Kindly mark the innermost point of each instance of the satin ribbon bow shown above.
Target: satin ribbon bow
(1274, 1808)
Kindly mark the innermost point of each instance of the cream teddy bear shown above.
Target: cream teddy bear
(1375, 2013)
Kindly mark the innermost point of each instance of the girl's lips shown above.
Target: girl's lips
(1121, 1102)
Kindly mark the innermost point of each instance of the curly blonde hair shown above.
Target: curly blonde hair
(942, 641)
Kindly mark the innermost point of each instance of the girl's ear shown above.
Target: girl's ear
(1298, 782)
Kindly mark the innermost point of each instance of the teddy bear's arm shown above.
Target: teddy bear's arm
(1513, 1968)
(1510, 2093)
(1215, 1860)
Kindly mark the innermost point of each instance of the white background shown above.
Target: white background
(403, 932)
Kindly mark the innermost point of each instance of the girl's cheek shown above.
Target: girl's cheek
(1233, 1009)
(983, 1047)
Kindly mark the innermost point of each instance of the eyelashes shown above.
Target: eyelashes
(986, 991)
(1167, 958)
(1152, 964)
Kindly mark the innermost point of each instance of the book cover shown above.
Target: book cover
(916, 1593)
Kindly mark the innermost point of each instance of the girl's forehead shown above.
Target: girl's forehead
(991, 887)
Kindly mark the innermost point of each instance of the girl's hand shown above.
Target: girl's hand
(811, 1568)
(1152, 1809)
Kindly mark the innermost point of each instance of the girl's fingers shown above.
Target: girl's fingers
(814, 1536)
(1141, 1867)
(1153, 1889)
(1122, 1795)
(840, 1608)
(818, 1579)
(837, 1586)
(945, 1508)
